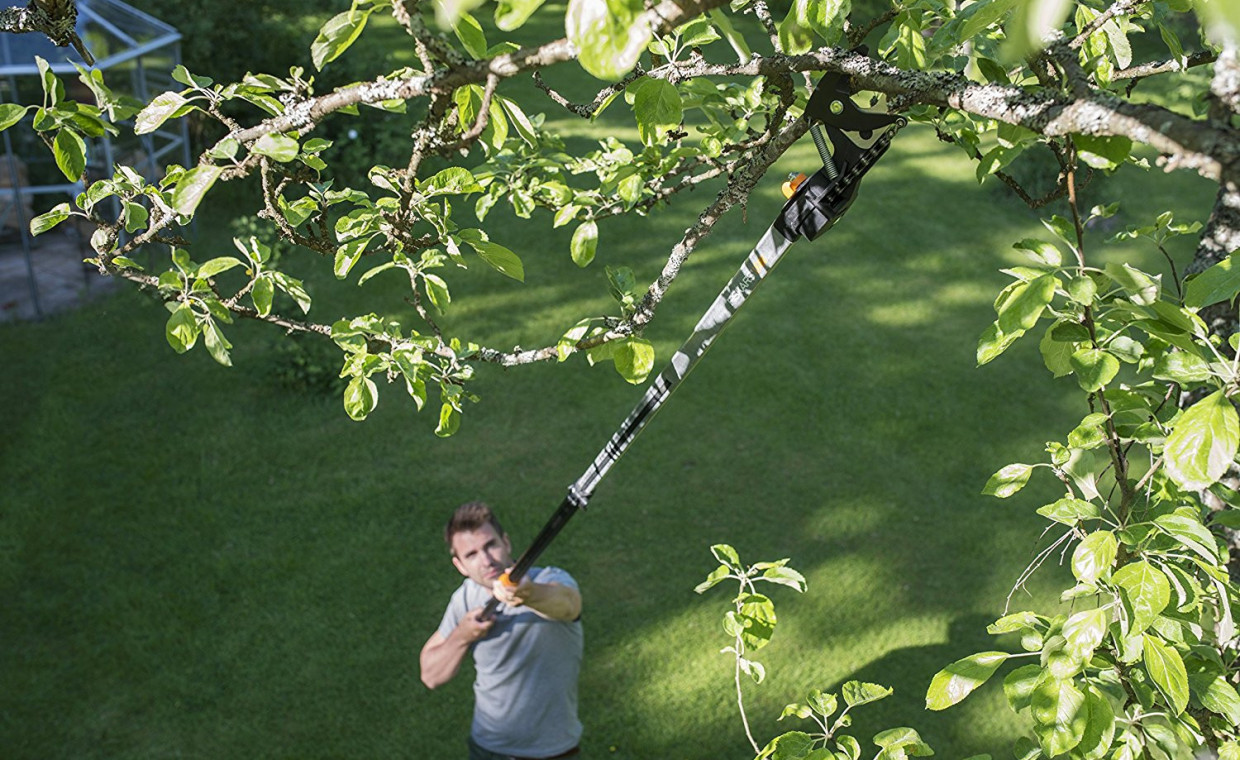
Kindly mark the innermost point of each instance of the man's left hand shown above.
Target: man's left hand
(513, 596)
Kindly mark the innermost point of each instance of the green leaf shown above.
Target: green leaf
(218, 265)
(823, 704)
(70, 151)
(795, 36)
(360, 397)
(1070, 511)
(470, 33)
(1103, 152)
(136, 216)
(1056, 354)
(584, 243)
(336, 36)
(751, 668)
(955, 682)
(634, 359)
(437, 292)
(525, 128)
(1147, 591)
(860, 693)
(571, 337)
(192, 186)
(717, 576)
(44, 222)
(500, 258)
(757, 618)
(726, 555)
(1181, 367)
(658, 109)
(982, 16)
(1085, 630)
(454, 180)
(159, 110)
(784, 576)
(607, 34)
(1008, 480)
(277, 147)
(1017, 621)
(793, 745)
(183, 75)
(449, 421)
(898, 742)
(182, 329)
(1094, 368)
(1042, 252)
(849, 748)
(1141, 288)
(1025, 302)
(1100, 728)
(511, 14)
(1165, 666)
(1217, 695)
(1189, 531)
(217, 344)
(294, 288)
(1219, 283)
(1094, 556)
(1203, 442)
(262, 295)
(1018, 686)
(1060, 715)
(10, 114)
(347, 255)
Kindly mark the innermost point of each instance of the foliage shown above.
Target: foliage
(408, 219)
(1143, 662)
(751, 624)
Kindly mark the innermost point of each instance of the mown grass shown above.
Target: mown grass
(197, 562)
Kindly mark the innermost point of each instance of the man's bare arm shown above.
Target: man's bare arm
(442, 656)
(553, 601)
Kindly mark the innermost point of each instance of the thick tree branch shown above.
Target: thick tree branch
(663, 17)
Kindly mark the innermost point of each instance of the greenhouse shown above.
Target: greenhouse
(136, 54)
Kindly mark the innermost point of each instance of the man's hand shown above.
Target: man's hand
(441, 657)
(472, 627)
(554, 601)
(513, 596)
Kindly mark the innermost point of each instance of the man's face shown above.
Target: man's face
(481, 555)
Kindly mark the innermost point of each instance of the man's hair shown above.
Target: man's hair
(469, 517)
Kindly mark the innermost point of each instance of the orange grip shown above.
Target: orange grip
(508, 582)
(792, 184)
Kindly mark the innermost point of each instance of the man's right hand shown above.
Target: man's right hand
(472, 627)
(441, 657)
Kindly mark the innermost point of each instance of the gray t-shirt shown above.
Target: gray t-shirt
(525, 694)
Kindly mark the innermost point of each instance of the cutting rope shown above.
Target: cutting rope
(814, 205)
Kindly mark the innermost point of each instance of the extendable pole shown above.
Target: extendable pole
(814, 207)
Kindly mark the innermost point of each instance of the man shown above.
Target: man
(527, 657)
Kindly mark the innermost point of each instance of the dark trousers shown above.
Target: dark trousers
(480, 753)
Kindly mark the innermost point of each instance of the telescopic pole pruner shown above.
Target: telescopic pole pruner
(815, 204)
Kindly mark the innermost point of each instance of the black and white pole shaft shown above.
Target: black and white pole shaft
(860, 139)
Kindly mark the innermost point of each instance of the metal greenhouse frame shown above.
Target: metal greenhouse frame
(137, 54)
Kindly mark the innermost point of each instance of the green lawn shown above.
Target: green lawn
(197, 562)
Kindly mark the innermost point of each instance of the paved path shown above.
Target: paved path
(52, 279)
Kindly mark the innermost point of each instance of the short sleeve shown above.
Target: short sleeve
(555, 575)
(454, 613)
